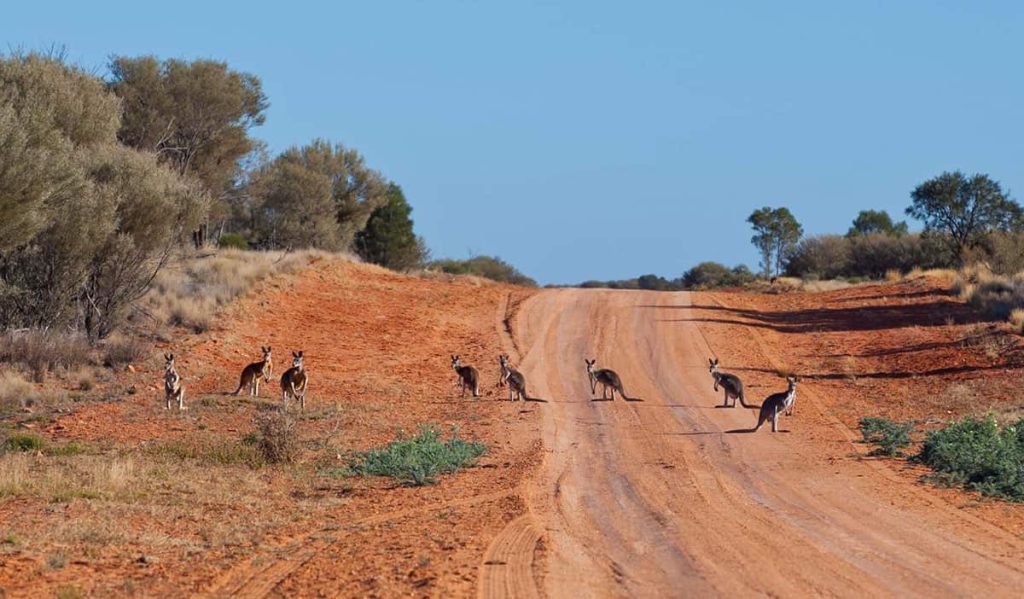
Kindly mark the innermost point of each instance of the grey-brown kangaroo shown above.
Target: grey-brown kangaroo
(468, 377)
(172, 385)
(252, 373)
(515, 379)
(294, 382)
(776, 404)
(608, 379)
(731, 384)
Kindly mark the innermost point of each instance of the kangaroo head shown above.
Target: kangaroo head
(714, 365)
(266, 353)
(792, 381)
(168, 361)
(503, 360)
(455, 362)
(297, 359)
(590, 365)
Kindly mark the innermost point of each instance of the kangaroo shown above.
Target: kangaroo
(294, 382)
(776, 404)
(252, 373)
(468, 377)
(515, 379)
(172, 385)
(732, 385)
(608, 379)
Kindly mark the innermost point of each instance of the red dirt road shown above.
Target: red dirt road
(668, 498)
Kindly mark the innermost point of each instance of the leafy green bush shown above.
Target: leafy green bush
(495, 269)
(980, 455)
(233, 241)
(888, 437)
(418, 460)
(23, 442)
(710, 275)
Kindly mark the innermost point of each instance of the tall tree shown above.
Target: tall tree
(389, 239)
(195, 115)
(876, 222)
(776, 233)
(963, 208)
(353, 191)
(96, 220)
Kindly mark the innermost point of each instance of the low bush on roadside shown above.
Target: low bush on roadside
(419, 459)
(487, 267)
(124, 351)
(978, 454)
(44, 351)
(889, 438)
(22, 442)
(275, 438)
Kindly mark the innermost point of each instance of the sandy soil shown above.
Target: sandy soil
(377, 348)
(674, 497)
(669, 496)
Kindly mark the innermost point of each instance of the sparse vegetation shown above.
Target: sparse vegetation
(979, 454)
(419, 459)
(124, 351)
(889, 438)
(190, 295)
(209, 450)
(18, 441)
(43, 351)
(276, 440)
(495, 269)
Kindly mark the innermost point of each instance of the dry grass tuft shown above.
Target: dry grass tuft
(44, 351)
(893, 275)
(190, 294)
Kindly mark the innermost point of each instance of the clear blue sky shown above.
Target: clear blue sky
(586, 139)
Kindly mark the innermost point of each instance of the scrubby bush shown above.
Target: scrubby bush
(889, 438)
(22, 442)
(232, 241)
(867, 256)
(711, 275)
(488, 267)
(276, 438)
(419, 459)
(94, 219)
(44, 351)
(821, 257)
(979, 454)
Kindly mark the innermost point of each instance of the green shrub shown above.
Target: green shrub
(978, 454)
(711, 275)
(495, 269)
(419, 459)
(888, 437)
(233, 241)
(23, 442)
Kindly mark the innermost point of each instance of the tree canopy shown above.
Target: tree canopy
(874, 222)
(388, 238)
(776, 233)
(195, 116)
(964, 208)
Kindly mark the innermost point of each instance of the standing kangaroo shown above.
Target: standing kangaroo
(515, 379)
(172, 385)
(468, 377)
(252, 373)
(608, 379)
(732, 385)
(776, 404)
(294, 382)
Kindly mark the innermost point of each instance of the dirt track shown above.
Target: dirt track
(668, 498)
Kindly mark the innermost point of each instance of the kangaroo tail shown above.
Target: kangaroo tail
(743, 401)
(239, 389)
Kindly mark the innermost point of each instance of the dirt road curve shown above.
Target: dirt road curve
(659, 499)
